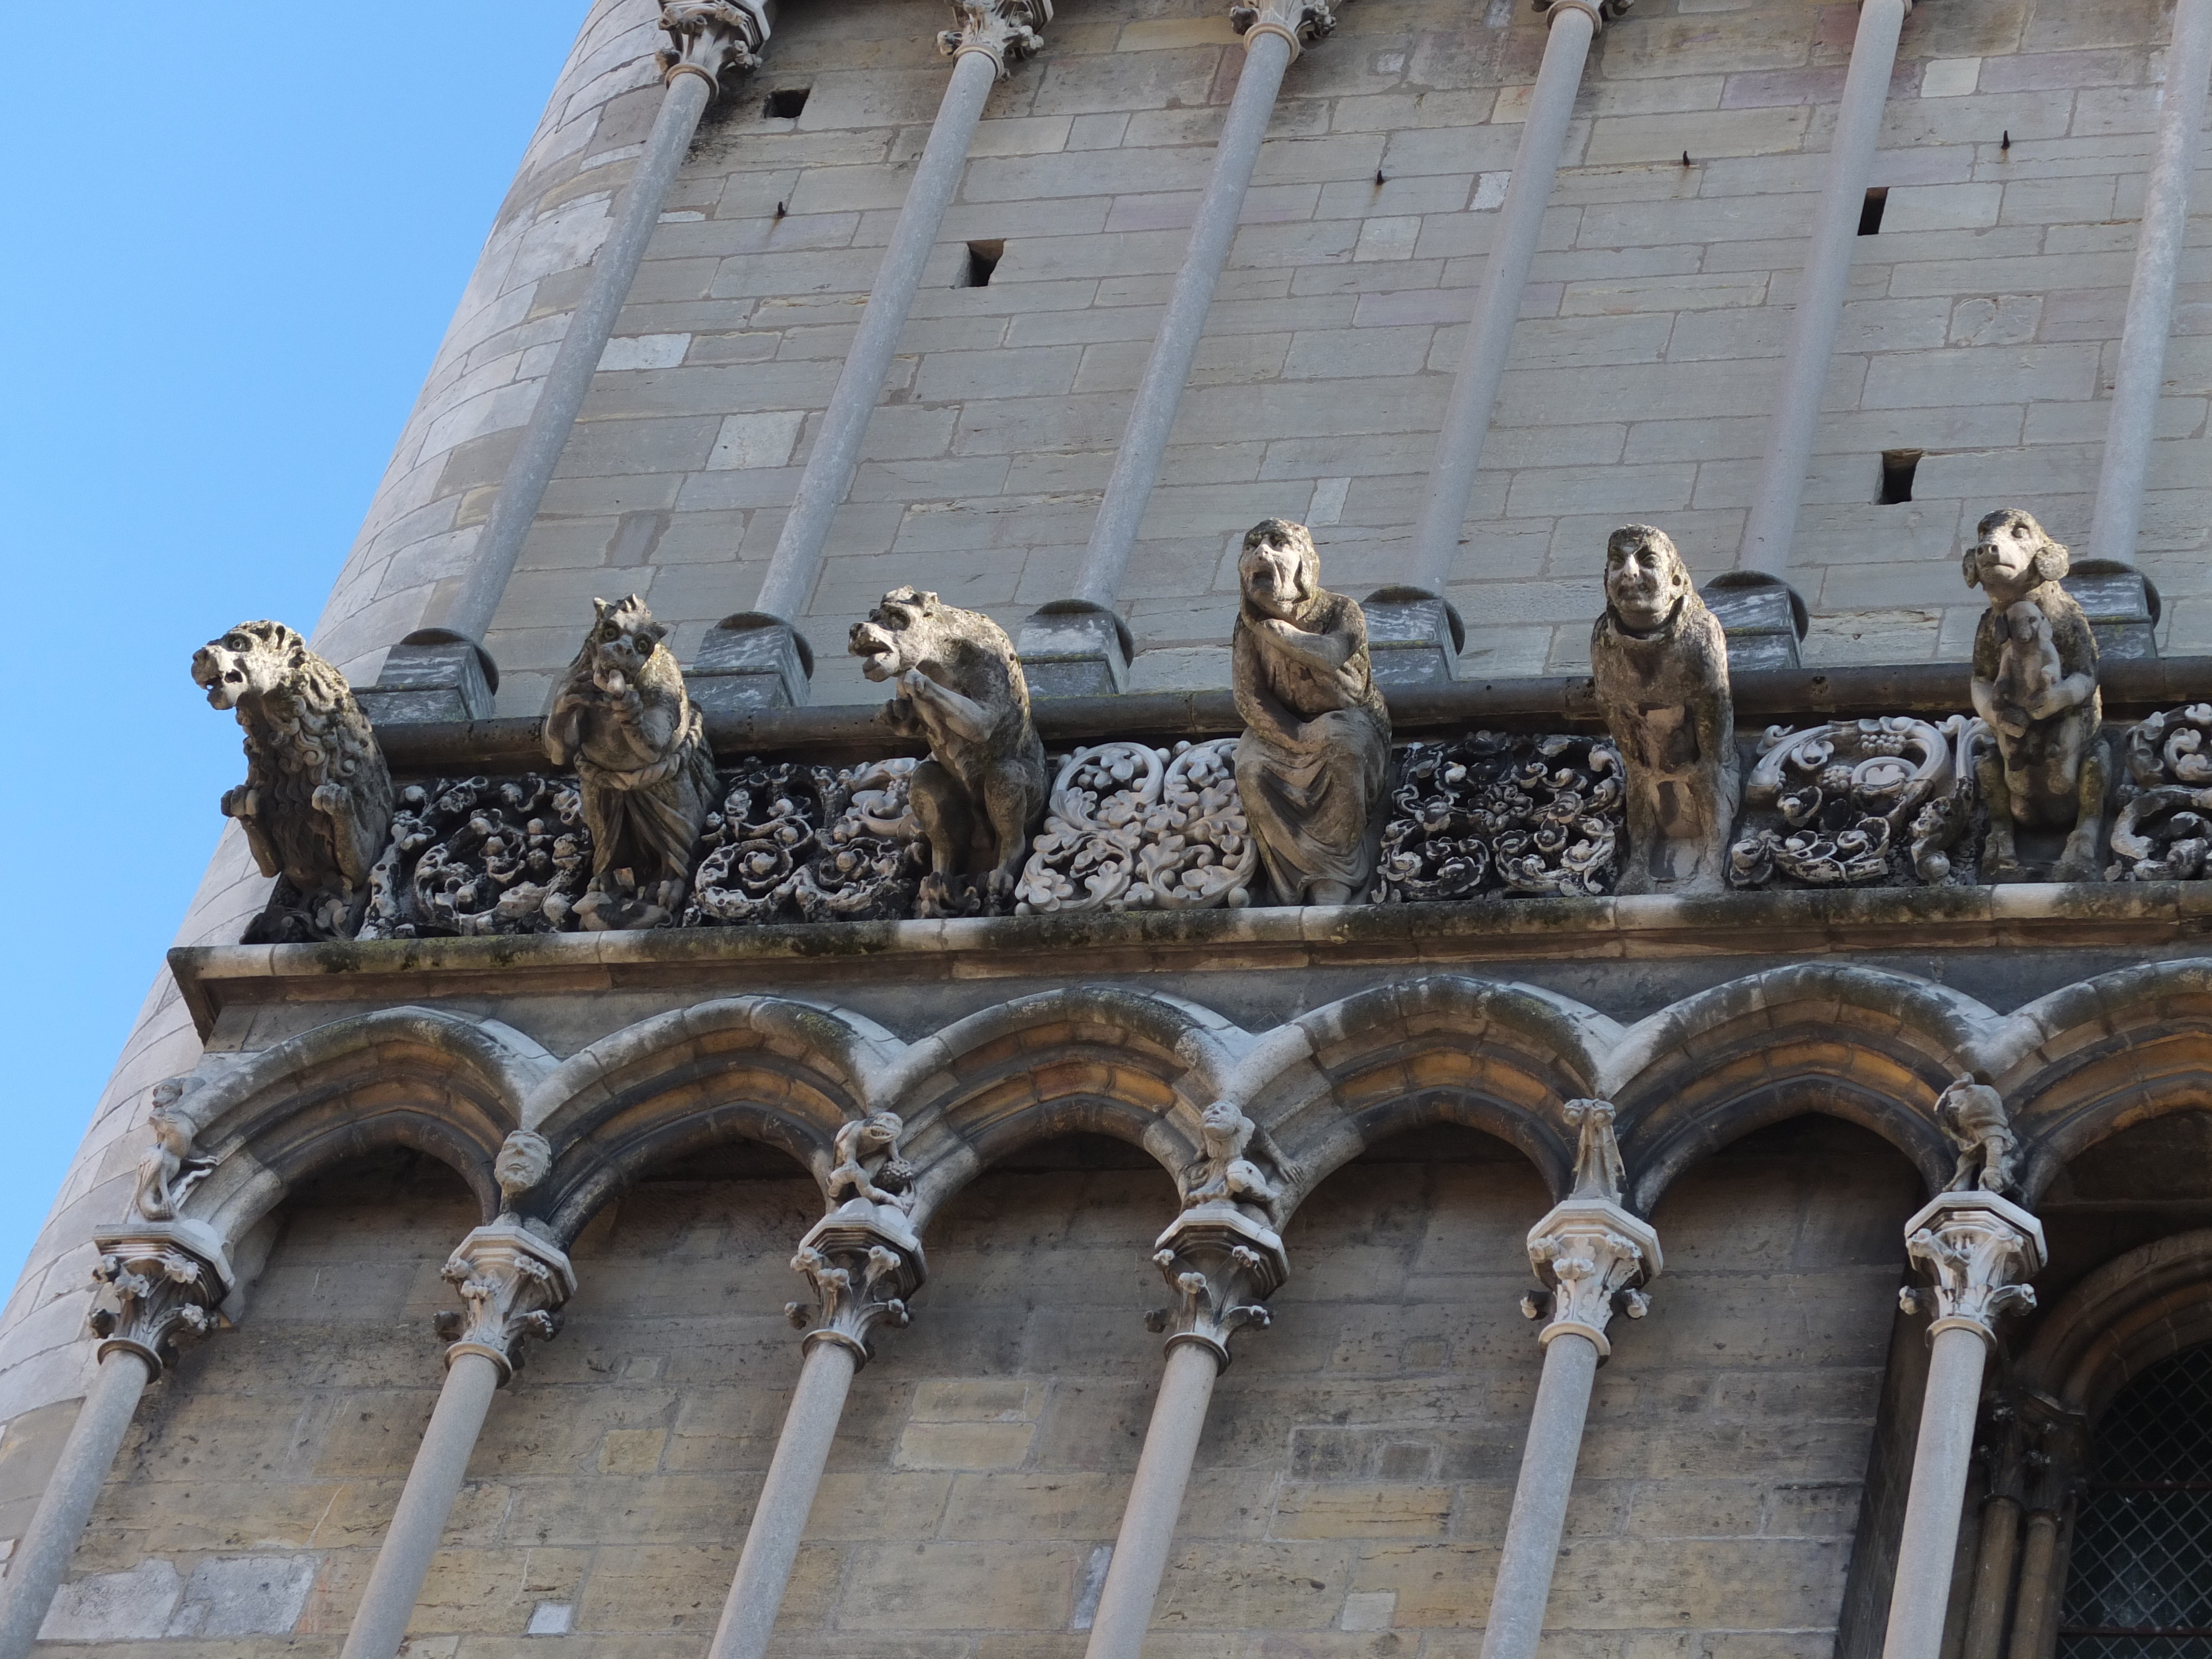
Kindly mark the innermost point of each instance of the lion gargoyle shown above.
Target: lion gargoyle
(620, 717)
(1661, 664)
(316, 804)
(2035, 684)
(981, 793)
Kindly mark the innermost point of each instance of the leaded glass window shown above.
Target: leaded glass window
(2139, 1582)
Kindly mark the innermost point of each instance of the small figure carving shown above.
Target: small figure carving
(169, 1170)
(1223, 1173)
(2035, 683)
(1313, 765)
(525, 1159)
(869, 1166)
(981, 791)
(620, 717)
(1661, 664)
(1973, 1115)
(1599, 1172)
(316, 803)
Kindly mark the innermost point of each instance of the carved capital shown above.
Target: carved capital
(512, 1283)
(1979, 1249)
(1593, 1258)
(1219, 1262)
(1597, 10)
(1005, 31)
(1296, 20)
(863, 1262)
(711, 38)
(157, 1281)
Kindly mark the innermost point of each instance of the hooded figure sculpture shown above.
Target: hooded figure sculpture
(1313, 765)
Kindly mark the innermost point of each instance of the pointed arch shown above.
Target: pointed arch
(2138, 1308)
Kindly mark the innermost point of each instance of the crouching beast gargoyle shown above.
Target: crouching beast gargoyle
(2035, 684)
(316, 804)
(1661, 664)
(981, 791)
(620, 717)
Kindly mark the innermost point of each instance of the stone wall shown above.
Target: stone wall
(1350, 1492)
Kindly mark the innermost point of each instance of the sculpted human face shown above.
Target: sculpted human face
(523, 1160)
(2004, 559)
(1643, 580)
(1271, 568)
(881, 641)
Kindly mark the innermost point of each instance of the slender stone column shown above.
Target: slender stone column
(1979, 1248)
(161, 1280)
(764, 661)
(513, 1283)
(1076, 645)
(1999, 1545)
(1764, 606)
(1219, 1262)
(1594, 1257)
(709, 39)
(863, 1262)
(2061, 1450)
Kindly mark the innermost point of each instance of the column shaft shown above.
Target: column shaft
(1992, 1591)
(441, 1461)
(614, 268)
(1540, 1498)
(2036, 1615)
(794, 1475)
(2133, 422)
(43, 1556)
(1498, 306)
(837, 452)
(1145, 438)
(1940, 1458)
(1148, 1524)
(1821, 285)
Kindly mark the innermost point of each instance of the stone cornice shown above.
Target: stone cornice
(2171, 917)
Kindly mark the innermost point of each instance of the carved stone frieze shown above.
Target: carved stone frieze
(1220, 1263)
(1005, 31)
(316, 804)
(1592, 1254)
(810, 843)
(1980, 1249)
(863, 1262)
(158, 1281)
(477, 856)
(1530, 814)
(1134, 828)
(1859, 803)
(512, 1283)
(2163, 831)
(711, 38)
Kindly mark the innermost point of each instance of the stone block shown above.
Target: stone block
(747, 661)
(1071, 649)
(433, 674)
(2121, 605)
(1762, 616)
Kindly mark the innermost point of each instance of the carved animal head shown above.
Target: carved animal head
(525, 1159)
(251, 659)
(897, 635)
(1646, 580)
(2025, 620)
(623, 639)
(877, 1134)
(1278, 569)
(2011, 555)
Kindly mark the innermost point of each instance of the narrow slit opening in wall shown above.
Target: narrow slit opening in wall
(983, 259)
(1897, 466)
(1870, 210)
(785, 105)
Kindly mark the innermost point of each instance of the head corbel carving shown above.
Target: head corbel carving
(1646, 580)
(525, 1159)
(2012, 555)
(1279, 570)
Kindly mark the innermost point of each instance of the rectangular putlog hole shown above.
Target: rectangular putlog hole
(785, 105)
(1897, 466)
(983, 259)
(1870, 210)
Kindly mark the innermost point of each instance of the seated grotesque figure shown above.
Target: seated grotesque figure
(1661, 664)
(981, 791)
(316, 804)
(620, 717)
(1224, 1172)
(2035, 683)
(1314, 765)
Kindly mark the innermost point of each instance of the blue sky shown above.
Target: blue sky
(236, 237)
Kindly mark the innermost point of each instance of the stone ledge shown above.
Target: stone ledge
(1490, 929)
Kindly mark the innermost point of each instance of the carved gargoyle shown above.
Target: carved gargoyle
(1661, 664)
(169, 1169)
(1972, 1116)
(869, 1166)
(983, 790)
(1599, 1172)
(316, 804)
(620, 717)
(1223, 1173)
(1313, 765)
(2035, 683)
